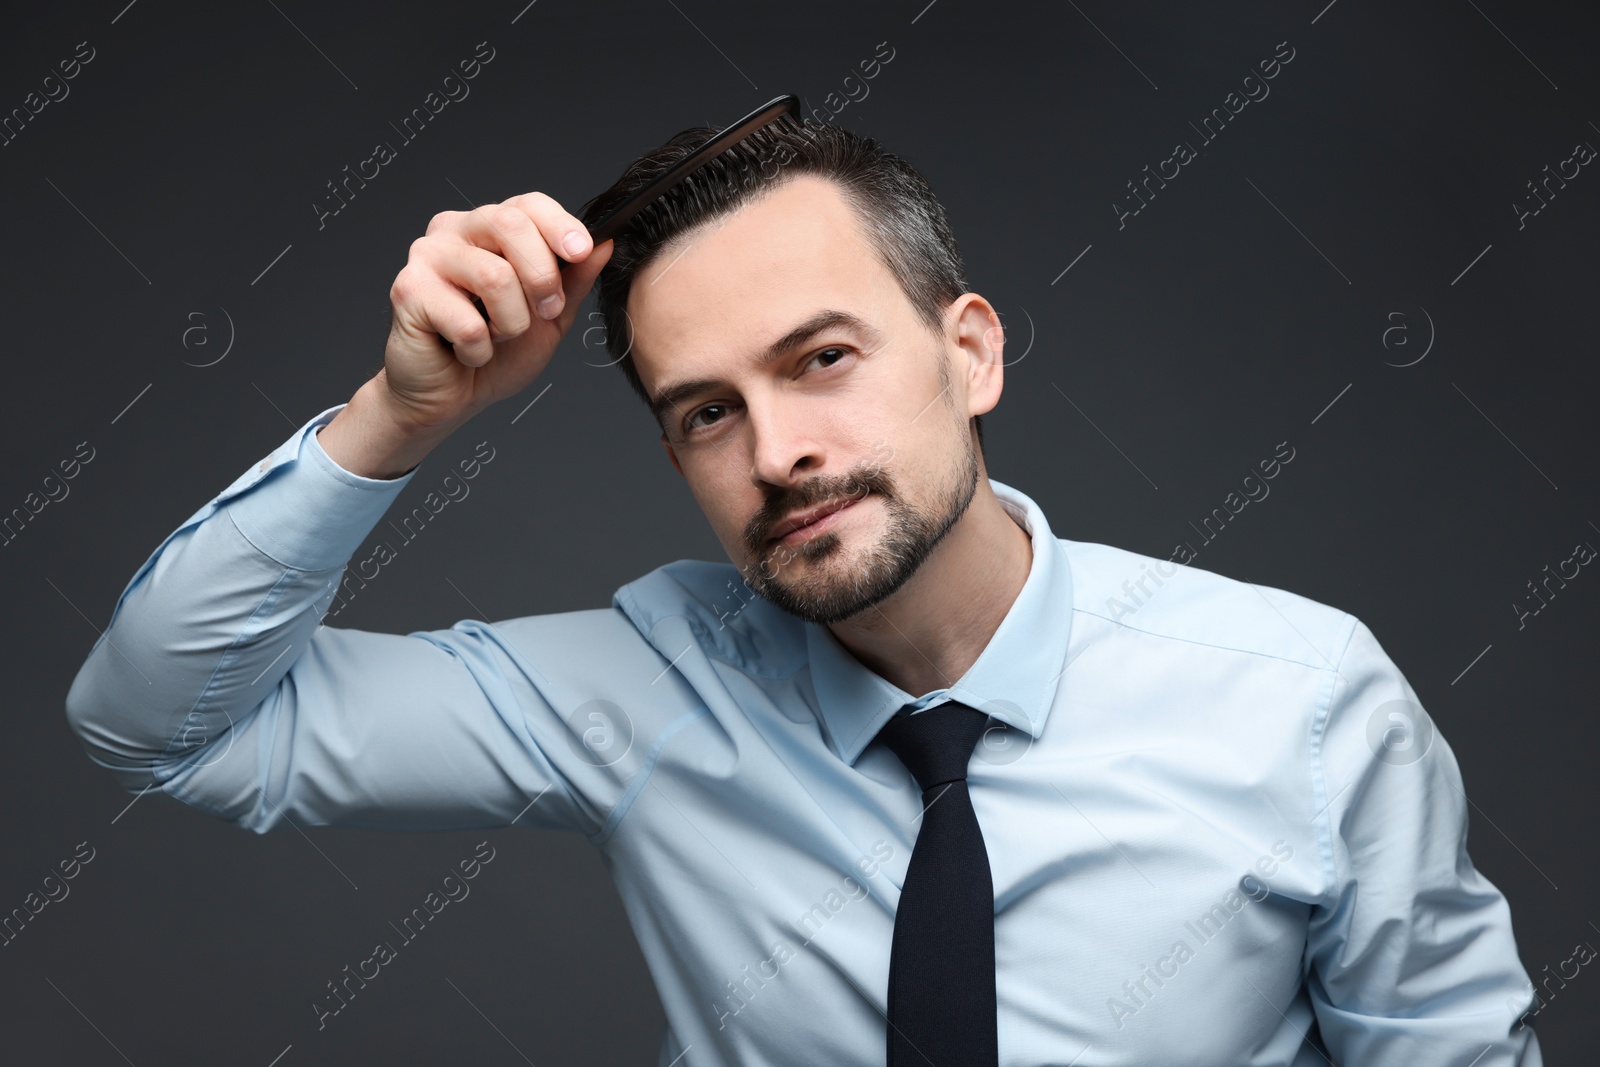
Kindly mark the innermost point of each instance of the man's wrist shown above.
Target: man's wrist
(369, 438)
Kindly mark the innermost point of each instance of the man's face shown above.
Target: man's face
(870, 410)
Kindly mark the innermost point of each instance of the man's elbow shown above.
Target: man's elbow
(94, 712)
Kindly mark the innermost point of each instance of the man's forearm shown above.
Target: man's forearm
(221, 611)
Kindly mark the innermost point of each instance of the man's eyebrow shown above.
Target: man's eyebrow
(673, 395)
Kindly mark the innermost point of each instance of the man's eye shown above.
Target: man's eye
(838, 351)
(689, 422)
(831, 348)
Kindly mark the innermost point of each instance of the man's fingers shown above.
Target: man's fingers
(537, 237)
(499, 254)
(562, 231)
(450, 314)
(492, 279)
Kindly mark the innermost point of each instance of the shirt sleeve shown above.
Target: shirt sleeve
(217, 683)
(1410, 958)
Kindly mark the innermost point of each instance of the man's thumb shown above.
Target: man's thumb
(578, 279)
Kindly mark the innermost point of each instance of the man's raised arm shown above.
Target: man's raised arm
(215, 681)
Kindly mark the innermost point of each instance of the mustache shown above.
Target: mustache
(852, 486)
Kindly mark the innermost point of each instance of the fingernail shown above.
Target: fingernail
(550, 306)
(573, 243)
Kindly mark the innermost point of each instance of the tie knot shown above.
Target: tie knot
(935, 744)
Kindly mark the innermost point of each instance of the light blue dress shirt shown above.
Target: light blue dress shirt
(1206, 840)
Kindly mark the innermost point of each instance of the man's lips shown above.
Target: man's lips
(810, 515)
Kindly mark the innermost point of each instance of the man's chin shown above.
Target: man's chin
(827, 590)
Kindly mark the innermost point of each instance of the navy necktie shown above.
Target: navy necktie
(941, 963)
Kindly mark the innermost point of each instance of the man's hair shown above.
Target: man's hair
(903, 219)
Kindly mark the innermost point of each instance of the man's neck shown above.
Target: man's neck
(936, 625)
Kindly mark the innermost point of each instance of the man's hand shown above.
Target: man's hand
(505, 254)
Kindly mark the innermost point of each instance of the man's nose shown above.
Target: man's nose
(782, 441)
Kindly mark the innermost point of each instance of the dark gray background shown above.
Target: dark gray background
(1251, 294)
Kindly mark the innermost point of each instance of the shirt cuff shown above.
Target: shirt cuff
(303, 509)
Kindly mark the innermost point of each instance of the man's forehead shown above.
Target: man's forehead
(736, 284)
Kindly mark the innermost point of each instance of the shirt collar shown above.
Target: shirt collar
(1013, 680)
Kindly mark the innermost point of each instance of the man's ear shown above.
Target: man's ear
(671, 454)
(977, 331)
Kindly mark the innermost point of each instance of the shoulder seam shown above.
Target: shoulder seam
(1208, 644)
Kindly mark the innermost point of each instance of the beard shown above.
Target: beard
(837, 585)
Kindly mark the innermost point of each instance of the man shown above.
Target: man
(914, 788)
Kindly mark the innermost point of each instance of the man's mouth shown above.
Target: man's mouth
(815, 516)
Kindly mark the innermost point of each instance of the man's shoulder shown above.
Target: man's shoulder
(1183, 602)
(726, 616)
